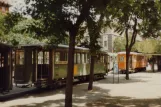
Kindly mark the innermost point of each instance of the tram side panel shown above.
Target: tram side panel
(137, 62)
(51, 65)
(23, 66)
(5, 70)
(121, 62)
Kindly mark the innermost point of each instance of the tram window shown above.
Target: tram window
(121, 58)
(98, 60)
(32, 57)
(63, 56)
(40, 57)
(19, 57)
(102, 59)
(82, 57)
(85, 57)
(46, 57)
(9, 58)
(0, 59)
(57, 56)
(88, 58)
(78, 58)
(75, 58)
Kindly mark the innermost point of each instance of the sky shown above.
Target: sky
(17, 5)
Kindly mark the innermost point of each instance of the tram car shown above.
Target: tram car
(137, 62)
(5, 67)
(46, 65)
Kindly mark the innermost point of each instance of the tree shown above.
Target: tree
(2, 28)
(120, 45)
(148, 46)
(62, 17)
(94, 29)
(11, 19)
(135, 17)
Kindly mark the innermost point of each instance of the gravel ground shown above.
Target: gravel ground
(142, 90)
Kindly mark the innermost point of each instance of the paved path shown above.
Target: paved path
(142, 90)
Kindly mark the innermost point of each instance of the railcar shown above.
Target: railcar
(137, 62)
(46, 65)
(5, 67)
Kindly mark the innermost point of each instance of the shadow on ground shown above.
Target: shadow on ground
(81, 99)
(121, 79)
(124, 102)
(98, 97)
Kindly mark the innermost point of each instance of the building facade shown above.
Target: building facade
(107, 40)
(4, 6)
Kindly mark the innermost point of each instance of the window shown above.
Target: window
(85, 58)
(82, 58)
(40, 57)
(61, 57)
(3, 9)
(88, 58)
(78, 58)
(19, 57)
(121, 58)
(75, 58)
(46, 57)
(105, 43)
(1, 61)
(57, 56)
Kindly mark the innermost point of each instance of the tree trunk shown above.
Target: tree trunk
(127, 63)
(69, 79)
(90, 86)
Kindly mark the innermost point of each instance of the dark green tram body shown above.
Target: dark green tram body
(24, 66)
(5, 67)
(46, 65)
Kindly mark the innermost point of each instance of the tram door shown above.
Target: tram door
(43, 65)
(5, 71)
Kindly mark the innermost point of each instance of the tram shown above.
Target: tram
(46, 65)
(137, 62)
(5, 67)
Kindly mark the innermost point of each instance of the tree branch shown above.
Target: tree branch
(84, 13)
(127, 38)
(134, 34)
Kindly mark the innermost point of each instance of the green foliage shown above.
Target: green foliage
(94, 29)
(17, 29)
(136, 16)
(148, 46)
(2, 28)
(18, 38)
(10, 20)
(60, 17)
(120, 45)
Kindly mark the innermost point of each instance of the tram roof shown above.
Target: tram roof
(2, 45)
(50, 45)
(136, 53)
(153, 54)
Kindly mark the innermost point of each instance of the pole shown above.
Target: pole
(118, 73)
(113, 70)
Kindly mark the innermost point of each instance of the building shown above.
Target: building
(4, 6)
(107, 40)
